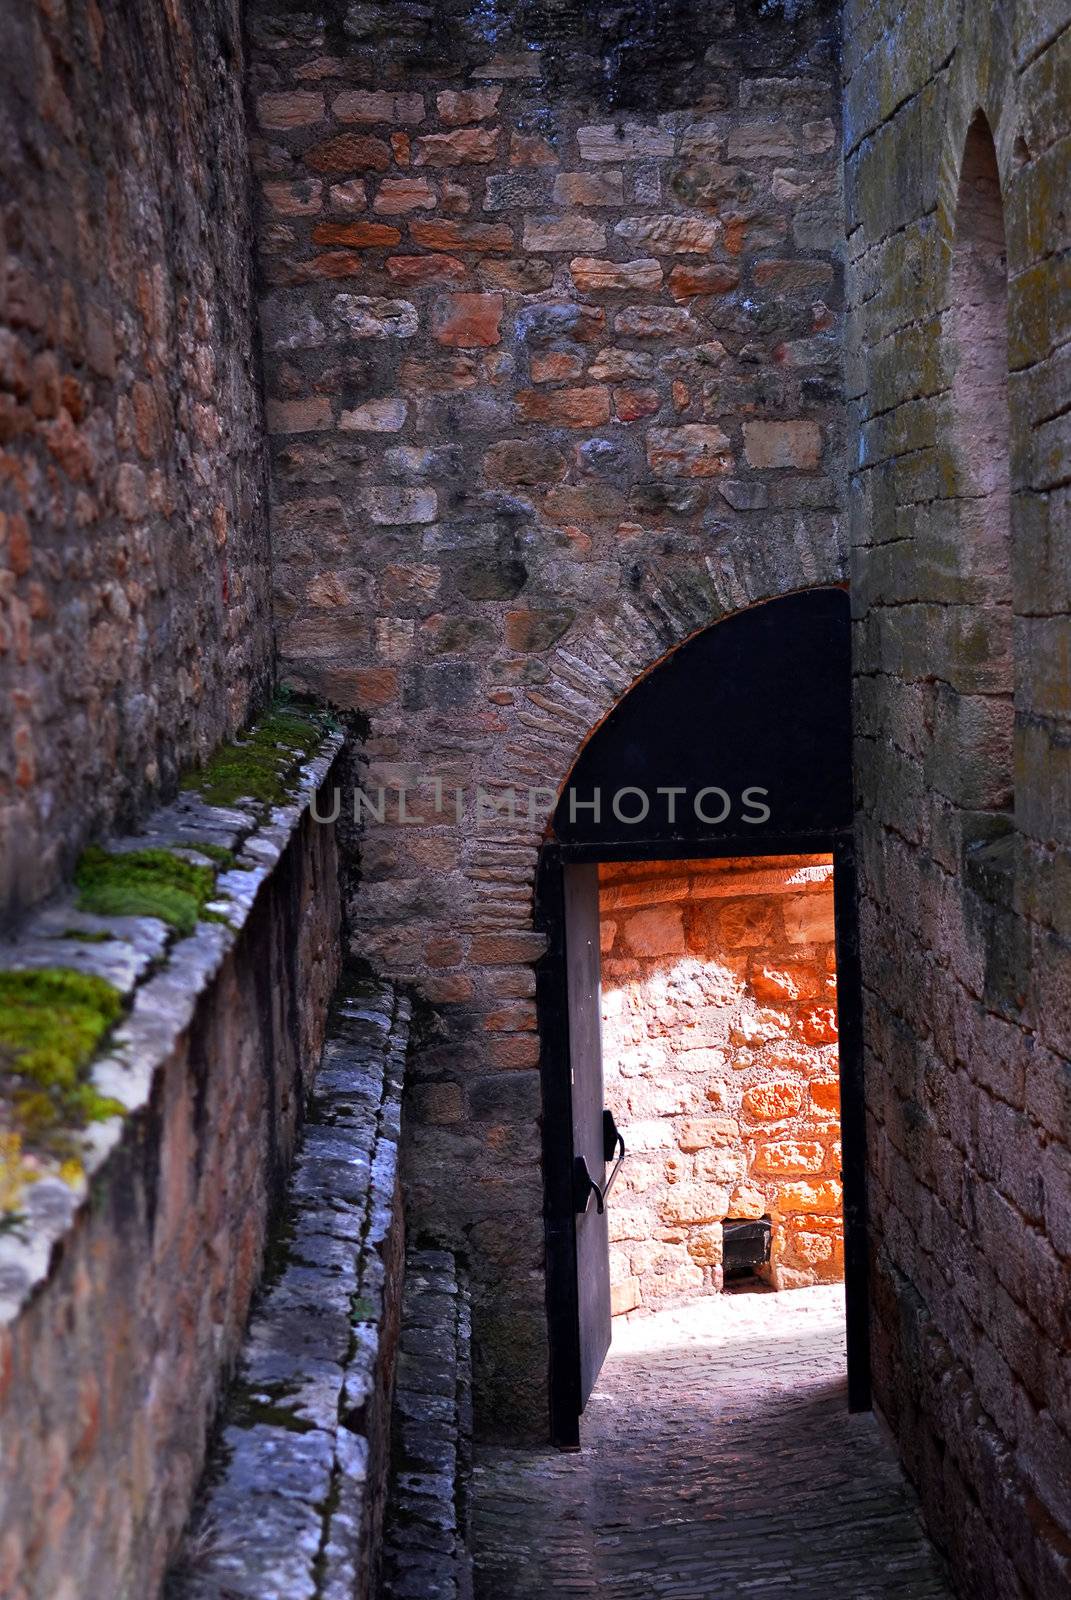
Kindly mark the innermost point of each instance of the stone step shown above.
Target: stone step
(426, 1546)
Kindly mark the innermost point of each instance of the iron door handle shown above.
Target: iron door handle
(613, 1143)
(584, 1185)
(612, 1140)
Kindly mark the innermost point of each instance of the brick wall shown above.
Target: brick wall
(121, 1310)
(134, 571)
(720, 1065)
(552, 368)
(966, 916)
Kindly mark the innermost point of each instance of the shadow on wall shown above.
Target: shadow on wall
(720, 1064)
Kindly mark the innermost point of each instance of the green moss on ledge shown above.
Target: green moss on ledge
(261, 766)
(144, 883)
(224, 859)
(51, 1023)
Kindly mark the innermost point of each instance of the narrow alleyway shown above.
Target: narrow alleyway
(719, 1461)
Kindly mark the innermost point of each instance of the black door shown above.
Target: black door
(574, 1212)
(581, 885)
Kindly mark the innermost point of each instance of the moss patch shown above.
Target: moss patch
(51, 1023)
(144, 883)
(268, 1405)
(262, 765)
(223, 858)
(14, 1172)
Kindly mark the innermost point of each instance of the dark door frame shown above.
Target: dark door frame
(552, 1004)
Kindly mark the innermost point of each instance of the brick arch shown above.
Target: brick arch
(600, 662)
(474, 1102)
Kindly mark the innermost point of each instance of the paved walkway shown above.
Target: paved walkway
(719, 1463)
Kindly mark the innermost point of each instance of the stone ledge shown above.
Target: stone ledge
(287, 1508)
(427, 1553)
(161, 978)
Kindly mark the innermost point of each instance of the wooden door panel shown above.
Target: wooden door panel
(585, 1058)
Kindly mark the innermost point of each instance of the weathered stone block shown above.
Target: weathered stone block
(375, 416)
(787, 1157)
(361, 316)
(556, 366)
(377, 105)
(569, 408)
(456, 107)
(614, 364)
(390, 506)
(506, 190)
(574, 232)
(349, 152)
(761, 141)
(592, 275)
(360, 234)
(296, 108)
(604, 188)
(297, 416)
(628, 142)
(670, 235)
(795, 444)
(774, 1100)
(685, 283)
(656, 322)
(633, 404)
(474, 236)
(822, 1195)
(417, 272)
(302, 199)
(523, 461)
(467, 321)
(536, 629)
(465, 147)
(693, 450)
(398, 195)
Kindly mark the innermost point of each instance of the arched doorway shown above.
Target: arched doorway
(736, 744)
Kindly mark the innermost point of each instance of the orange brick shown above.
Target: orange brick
(768, 1101)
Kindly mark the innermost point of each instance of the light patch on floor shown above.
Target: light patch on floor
(719, 1462)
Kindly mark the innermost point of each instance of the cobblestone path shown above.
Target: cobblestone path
(719, 1462)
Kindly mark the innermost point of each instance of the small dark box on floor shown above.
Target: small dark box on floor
(745, 1245)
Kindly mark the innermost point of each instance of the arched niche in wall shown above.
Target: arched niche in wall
(978, 734)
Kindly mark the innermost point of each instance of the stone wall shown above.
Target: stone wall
(720, 1066)
(552, 327)
(135, 622)
(292, 1501)
(427, 1548)
(961, 591)
(123, 1304)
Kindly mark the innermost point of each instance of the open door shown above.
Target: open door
(578, 1140)
(581, 885)
(737, 743)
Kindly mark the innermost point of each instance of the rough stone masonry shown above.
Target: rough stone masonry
(135, 621)
(720, 1060)
(553, 322)
(552, 381)
(957, 170)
